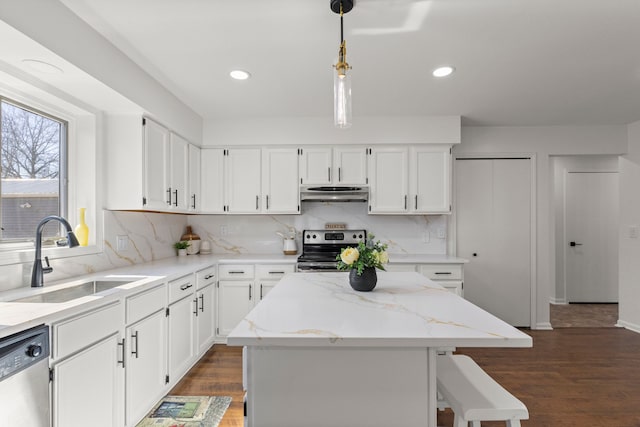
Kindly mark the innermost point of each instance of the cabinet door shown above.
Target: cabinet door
(280, 188)
(179, 161)
(212, 180)
(242, 171)
(206, 319)
(156, 166)
(350, 165)
(431, 179)
(181, 336)
(315, 165)
(264, 288)
(235, 300)
(146, 365)
(388, 173)
(89, 386)
(194, 178)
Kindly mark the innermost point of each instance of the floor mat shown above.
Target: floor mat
(187, 411)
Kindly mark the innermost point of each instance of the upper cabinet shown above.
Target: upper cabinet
(148, 167)
(410, 180)
(280, 190)
(212, 180)
(194, 179)
(333, 165)
(242, 178)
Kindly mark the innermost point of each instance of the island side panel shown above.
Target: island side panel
(328, 386)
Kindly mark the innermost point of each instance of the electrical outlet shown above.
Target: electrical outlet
(122, 243)
(224, 230)
(441, 233)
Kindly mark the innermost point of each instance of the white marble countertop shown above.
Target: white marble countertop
(425, 259)
(404, 310)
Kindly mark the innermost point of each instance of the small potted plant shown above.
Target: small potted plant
(181, 246)
(363, 261)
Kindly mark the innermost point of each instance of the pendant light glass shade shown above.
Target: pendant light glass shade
(342, 99)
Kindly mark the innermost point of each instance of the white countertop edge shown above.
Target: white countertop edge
(378, 342)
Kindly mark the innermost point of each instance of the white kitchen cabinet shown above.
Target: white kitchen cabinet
(156, 166)
(267, 276)
(89, 386)
(181, 328)
(212, 180)
(242, 179)
(235, 300)
(410, 180)
(350, 165)
(194, 179)
(333, 165)
(389, 179)
(205, 307)
(430, 179)
(146, 365)
(280, 189)
(449, 276)
(178, 173)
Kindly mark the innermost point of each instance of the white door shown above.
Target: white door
(591, 221)
(235, 300)
(156, 166)
(493, 228)
(350, 165)
(315, 166)
(78, 398)
(194, 178)
(389, 180)
(242, 170)
(212, 180)
(280, 188)
(430, 179)
(179, 172)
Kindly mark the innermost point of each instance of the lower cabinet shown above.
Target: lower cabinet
(146, 365)
(87, 387)
(205, 306)
(181, 340)
(449, 275)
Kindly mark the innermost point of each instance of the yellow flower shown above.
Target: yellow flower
(383, 257)
(349, 255)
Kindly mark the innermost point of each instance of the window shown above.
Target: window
(33, 171)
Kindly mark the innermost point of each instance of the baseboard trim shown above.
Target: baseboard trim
(543, 326)
(628, 325)
(558, 301)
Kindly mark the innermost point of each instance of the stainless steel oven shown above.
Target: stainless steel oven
(321, 247)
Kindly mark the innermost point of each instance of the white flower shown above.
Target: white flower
(383, 257)
(349, 255)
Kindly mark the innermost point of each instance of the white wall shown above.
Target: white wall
(319, 130)
(561, 165)
(629, 253)
(544, 142)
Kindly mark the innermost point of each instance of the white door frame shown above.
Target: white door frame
(534, 221)
(566, 173)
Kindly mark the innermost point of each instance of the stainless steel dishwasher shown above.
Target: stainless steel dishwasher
(24, 378)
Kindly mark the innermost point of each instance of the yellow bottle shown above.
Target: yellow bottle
(82, 230)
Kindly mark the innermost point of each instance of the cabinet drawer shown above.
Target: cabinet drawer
(235, 271)
(181, 288)
(442, 271)
(273, 271)
(205, 277)
(79, 332)
(146, 303)
(453, 286)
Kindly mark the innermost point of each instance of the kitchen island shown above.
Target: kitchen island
(321, 354)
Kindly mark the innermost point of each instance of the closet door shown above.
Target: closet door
(493, 228)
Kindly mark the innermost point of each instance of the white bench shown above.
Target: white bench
(473, 395)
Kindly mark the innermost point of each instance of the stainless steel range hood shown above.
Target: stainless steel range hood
(334, 194)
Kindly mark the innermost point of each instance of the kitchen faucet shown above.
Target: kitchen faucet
(37, 274)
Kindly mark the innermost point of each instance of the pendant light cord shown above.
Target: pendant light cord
(341, 26)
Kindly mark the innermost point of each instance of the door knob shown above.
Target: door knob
(575, 244)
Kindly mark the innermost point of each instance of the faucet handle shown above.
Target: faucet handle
(48, 268)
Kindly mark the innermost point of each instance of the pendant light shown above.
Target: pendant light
(342, 76)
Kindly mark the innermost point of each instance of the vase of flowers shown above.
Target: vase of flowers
(363, 261)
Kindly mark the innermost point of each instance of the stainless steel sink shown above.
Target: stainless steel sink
(73, 292)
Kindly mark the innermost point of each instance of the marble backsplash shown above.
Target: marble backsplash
(151, 236)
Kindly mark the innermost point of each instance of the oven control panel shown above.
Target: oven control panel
(348, 237)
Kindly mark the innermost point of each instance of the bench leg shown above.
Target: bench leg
(513, 423)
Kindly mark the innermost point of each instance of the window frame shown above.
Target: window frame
(63, 171)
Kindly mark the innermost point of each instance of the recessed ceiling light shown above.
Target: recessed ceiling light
(239, 75)
(42, 67)
(443, 71)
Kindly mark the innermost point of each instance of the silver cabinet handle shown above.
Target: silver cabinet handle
(236, 272)
(276, 272)
(209, 276)
(121, 344)
(169, 195)
(442, 272)
(405, 202)
(416, 202)
(185, 286)
(176, 194)
(196, 311)
(260, 291)
(201, 303)
(194, 201)
(257, 199)
(267, 202)
(329, 174)
(135, 335)
(249, 293)
(339, 174)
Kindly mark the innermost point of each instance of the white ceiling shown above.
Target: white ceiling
(518, 62)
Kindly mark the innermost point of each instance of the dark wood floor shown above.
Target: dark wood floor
(572, 377)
